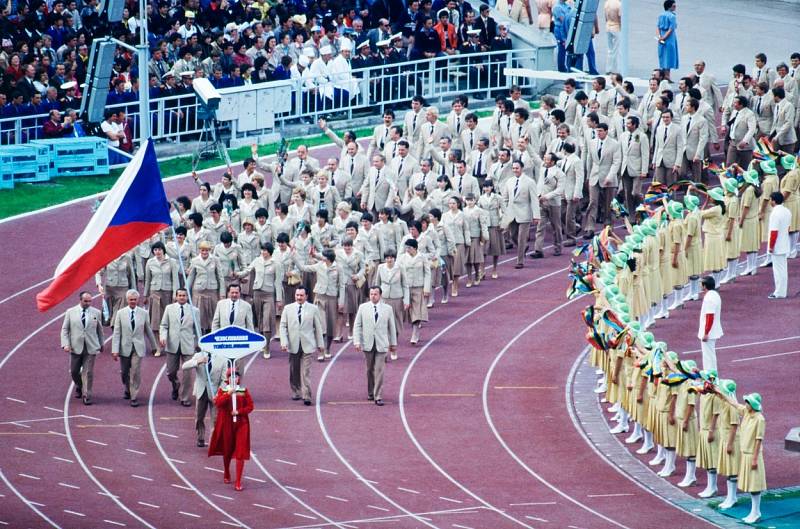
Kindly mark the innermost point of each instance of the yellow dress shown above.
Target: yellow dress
(714, 224)
(666, 433)
(637, 296)
(676, 235)
(733, 246)
(791, 184)
(653, 270)
(727, 464)
(651, 419)
(707, 453)
(751, 429)
(686, 444)
(750, 229)
(693, 250)
(664, 260)
(768, 186)
(636, 409)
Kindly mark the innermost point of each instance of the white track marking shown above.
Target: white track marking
(748, 359)
(182, 487)
(75, 513)
(104, 469)
(451, 500)
(50, 408)
(24, 450)
(144, 478)
(395, 517)
(98, 443)
(222, 496)
(148, 504)
(336, 498)
(263, 506)
(736, 346)
(63, 460)
(67, 485)
(12, 399)
(410, 491)
(132, 451)
(298, 489)
(112, 522)
(326, 471)
(285, 462)
(191, 514)
(29, 477)
(532, 503)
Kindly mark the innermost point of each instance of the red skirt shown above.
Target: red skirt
(231, 439)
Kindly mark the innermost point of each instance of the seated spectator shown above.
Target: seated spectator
(54, 128)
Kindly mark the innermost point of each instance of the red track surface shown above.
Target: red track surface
(496, 356)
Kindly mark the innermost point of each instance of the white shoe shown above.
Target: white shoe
(430, 304)
(666, 472)
(707, 493)
(645, 449)
(599, 371)
(613, 409)
(601, 389)
(662, 315)
(727, 504)
(394, 356)
(656, 460)
(753, 518)
(685, 483)
(619, 428)
(444, 301)
(266, 355)
(327, 354)
(633, 438)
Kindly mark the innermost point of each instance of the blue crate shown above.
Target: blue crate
(24, 163)
(87, 156)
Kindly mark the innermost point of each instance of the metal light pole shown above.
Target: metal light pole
(143, 55)
(624, 33)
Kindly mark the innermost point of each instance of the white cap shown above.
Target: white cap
(303, 60)
(189, 14)
(230, 26)
(364, 44)
(68, 85)
(186, 73)
(300, 19)
(168, 74)
(396, 36)
(316, 29)
(347, 45)
(443, 12)
(308, 52)
(474, 32)
(325, 50)
(381, 43)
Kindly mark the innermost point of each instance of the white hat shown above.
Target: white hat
(381, 43)
(396, 36)
(363, 44)
(189, 14)
(303, 60)
(325, 50)
(443, 12)
(168, 74)
(347, 45)
(186, 73)
(68, 85)
(299, 19)
(316, 29)
(230, 26)
(308, 52)
(474, 32)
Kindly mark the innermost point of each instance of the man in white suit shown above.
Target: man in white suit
(635, 161)
(376, 192)
(783, 133)
(605, 158)
(128, 344)
(740, 133)
(668, 141)
(374, 333)
(179, 338)
(301, 337)
(82, 338)
(694, 138)
(204, 390)
(521, 201)
(233, 311)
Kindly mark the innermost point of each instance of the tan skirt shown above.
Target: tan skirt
(206, 302)
(752, 480)
(459, 260)
(694, 259)
(714, 258)
(686, 445)
(418, 308)
(288, 293)
(115, 298)
(156, 303)
(666, 433)
(751, 242)
(638, 298)
(728, 464)
(352, 298)
(264, 312)
(733, 247)
(399, 312)
(665, 267)
(707, 453)
(328, 310)
(496, 246)
(793, 205)
(475, 251)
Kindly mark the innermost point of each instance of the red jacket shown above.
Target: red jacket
(450, 41)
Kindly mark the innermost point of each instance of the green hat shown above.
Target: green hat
(728, 387)
(788, 162)
(608, 268)
(649, 229)
(627, 247)
(661, 345)
(635, 326)
(620, 259)
(623, 309)
(731, 185)
(625, 318)
(716, 194)
(754, 400)
(675, 209)
(710, 374)
(646, 339)
(638, 239)
(691, 202)
(673, 356)
(638, 229)
(689, 365)
(751, 177)
(768, 167)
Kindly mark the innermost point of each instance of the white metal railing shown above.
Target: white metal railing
(175, 118)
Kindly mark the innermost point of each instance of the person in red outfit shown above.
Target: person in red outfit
(231, 439)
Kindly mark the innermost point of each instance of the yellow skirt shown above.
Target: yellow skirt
(728, 464)
(751, 242)
(733, 246)
(686, 443)
(694, 259)
(651, 417)
(714, 257)
(751, 480)
(666, 434)
(707, 453)
(793, 205)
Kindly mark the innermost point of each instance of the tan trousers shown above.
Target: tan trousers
(692, 169)
(376, 362)
(519, 233)
(570, 219)
(300, 374)
(550, 214)
(131, 373)
(599, 197)
(632, 188)
(735, 156)
(81, 368)
(664, 175)
(174, 361)
(200, 411)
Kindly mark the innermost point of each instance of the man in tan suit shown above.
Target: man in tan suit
(432, 131)
(374, 333)
(694, 138)
(783, 133)
(380, 134)
(82, 338)
(404, 165)
(205, 389)
(740, 134)
(128, 342)
(412, 124)
(521, 201)
(233, 311)
(605, 158)
(178, 337)
(667, 147)
(301, 337)
(551, 193)
(635, 161)
(572, 167)
(376, 192)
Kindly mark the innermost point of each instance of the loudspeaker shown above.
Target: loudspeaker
(580, 30)
(98, 79)
(112, 9)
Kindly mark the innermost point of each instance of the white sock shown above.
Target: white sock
(648, 438)
(695, 284)
(731, 497)
(752, 262)
(690, 476)
(755, 506)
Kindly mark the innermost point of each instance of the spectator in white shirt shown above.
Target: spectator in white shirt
(710, 323)
(778, 243)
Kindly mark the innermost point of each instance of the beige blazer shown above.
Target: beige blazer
(693, 141)
(201, 380)
(412, 127)
(179, 335)
(126, 339)
(465, 184)
(306, 333)
(429, 139)
(243, 317)
(470, 138)
(376, 190)
(268, 276)
(74, 335)
(667, 151)
(404, 168)
(764, 109)
(206, 275)
(369, 333)
(357, 167)
(635, 153)
(743, 129)
(379, 139)
(572, 167)
(783, 125)
(604, 168)
(522, 205)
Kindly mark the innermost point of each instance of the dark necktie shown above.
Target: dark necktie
(400, 169)
(181, 313)
(299, 314)
(683, 99)
(471, 135)
(758, 106)
(560, 146)
(460, 182)
(232, 315)
(516, 187)
(301, 165)
(519, 132)
(133, 320)
(688, 124)
(666, 131)
(376, 313)
(385, 134)
(414, 124)
(352, 165)
(431, 129)
(630, 137)
(600, 149)
(477, 171)
(83, 318)
(458, 125)
(377, 177)
(546, 170)
(394, 150)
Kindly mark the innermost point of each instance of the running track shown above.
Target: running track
(476, 432)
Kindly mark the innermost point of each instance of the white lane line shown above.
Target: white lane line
(212, 469)
(30, 477)
(155, 435)
(336, 498)
(24, 450)
(98, 443)
(177, 461)
(748, 359)
(165, 434)
(298, 489)
(104, 469)
(3, 523)
(89, 416)
(395, 517)
(12, 399)
(75, 513)
(335, 449)
(260, 506)
(257, 480)
(326, 471)
(148, 504)
(190, 514)
(222, 496)
(735, 346)
(368, 481)
(532, 503)
(20, 424)
(415, 359)
(138, 452)
(108, 494)
(183, 487)
(63, 460)
(383, 509)
(609, 495)
(304, 516)
(450, 499)
(143, 478)
(67, 485)
(112, 522)
(224, 522)
(535, 519)
(459, 526)
(37, 504)
(410, 491)
(20, 292)
(50, 408)
(285, 462)
(52, 432)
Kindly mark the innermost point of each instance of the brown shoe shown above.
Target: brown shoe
(557, 251)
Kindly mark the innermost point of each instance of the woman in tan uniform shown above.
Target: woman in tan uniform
(733, 236)
(418, 276)
(666, 433)
(113, 281)
(637, 384)
(492, 203)
(693, 246)
(748, 221)
(454, 219)
(160, 284)
(329, 286)
(393, 283)
(478, 225)
(664, 267)
(728, 459)
(351, 261)
(249, 248)
(790, 187)
(685, 416)
(207, 284)
(266, 276)
(676, 238)
(714, 221)
(708, 440)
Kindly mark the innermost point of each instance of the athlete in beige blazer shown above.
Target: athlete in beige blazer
(432, 131)
(694, 138)
(178, 337)
(521, 205)
(128, 344)
(635, 161)
(375, 334)
(740, 133)
(82, 337)
(668, 140)
(376, 192)
(783, 133)
(233, 311)
(605, 159)
(301, 336)
(204, 390)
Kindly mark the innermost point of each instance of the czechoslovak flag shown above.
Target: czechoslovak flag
(134, 209)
